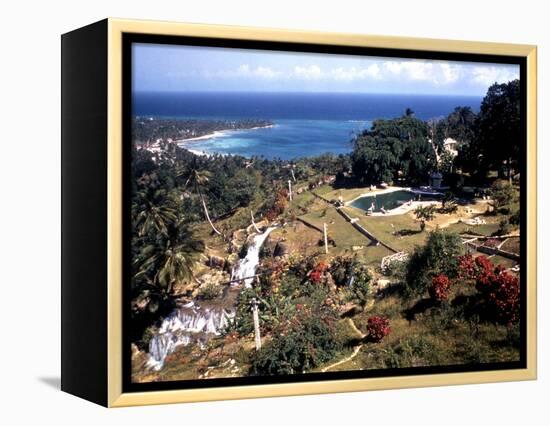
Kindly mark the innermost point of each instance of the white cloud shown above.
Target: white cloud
(438, 73)
(450, 73)
(313, 72)
(430, 73)
(259, 71)
(245, 70)
(487, 75)
(310, 72)
(414, 70)
(353, 73)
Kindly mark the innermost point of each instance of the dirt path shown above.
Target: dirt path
(359, 332)
(356, 349)
(342, 361)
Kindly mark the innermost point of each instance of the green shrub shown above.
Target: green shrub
(438, 256)
(504, 227)
(308, 340)
(361, 284)
(503, 195)
(209, 291)
(414, 351)
(515, 219)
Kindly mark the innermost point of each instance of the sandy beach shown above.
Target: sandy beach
(218, 133)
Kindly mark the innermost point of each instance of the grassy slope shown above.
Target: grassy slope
(426, 340)
(348, 240)
(381, 227)
(429, 339)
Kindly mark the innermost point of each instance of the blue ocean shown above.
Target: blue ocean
(305, 124)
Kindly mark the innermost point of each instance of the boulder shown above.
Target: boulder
(281, 249)
(216, 262)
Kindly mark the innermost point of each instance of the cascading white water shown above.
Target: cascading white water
(194, 322)
(248, 265)
(185, 324)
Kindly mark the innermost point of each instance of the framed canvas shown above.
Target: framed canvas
(255, 212)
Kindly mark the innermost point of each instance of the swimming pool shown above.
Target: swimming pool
(393, 199)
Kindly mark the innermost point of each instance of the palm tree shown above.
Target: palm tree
(153, 208)
(169, 260)
(424, 214)
(154, 218)
(198, 178)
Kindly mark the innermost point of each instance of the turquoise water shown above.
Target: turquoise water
(306, 124)
(287, 139)
(391, 200)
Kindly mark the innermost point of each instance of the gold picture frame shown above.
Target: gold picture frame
(115, 29)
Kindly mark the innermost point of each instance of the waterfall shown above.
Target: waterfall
(248, 265)
(188, 323)
(197, 321)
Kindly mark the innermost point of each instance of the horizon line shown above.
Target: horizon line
(290, 92)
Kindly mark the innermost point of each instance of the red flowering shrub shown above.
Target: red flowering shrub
(500, 289)
(315, 276)
(441, 286)
(471, 268)
(317, 273)
(322, 266)
(504, 295)
(378, 328)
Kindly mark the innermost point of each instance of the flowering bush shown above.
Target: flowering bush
(441, 286)
(500, 289)
(470, 268)
(317, 273)
(504, 295)
(378, 328)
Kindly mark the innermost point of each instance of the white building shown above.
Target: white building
(451, 146)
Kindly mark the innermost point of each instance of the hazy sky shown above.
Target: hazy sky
(186, 68)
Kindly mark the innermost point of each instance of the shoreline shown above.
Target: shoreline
(218, 133)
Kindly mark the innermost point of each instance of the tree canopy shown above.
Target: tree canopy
(393, 149)
(497, 133)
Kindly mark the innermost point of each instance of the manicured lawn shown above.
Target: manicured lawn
(324, 190)
(504, 261)
(372, 255)
(512, 245)
(301, 199)
(381, 227)
(487, 229)
(341, 231)
(299, 238)
(346, 237)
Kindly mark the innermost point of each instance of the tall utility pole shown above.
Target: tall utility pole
(289, 190)
(257, 337)
(325, 235)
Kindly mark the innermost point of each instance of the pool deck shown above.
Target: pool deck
(402, 209)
